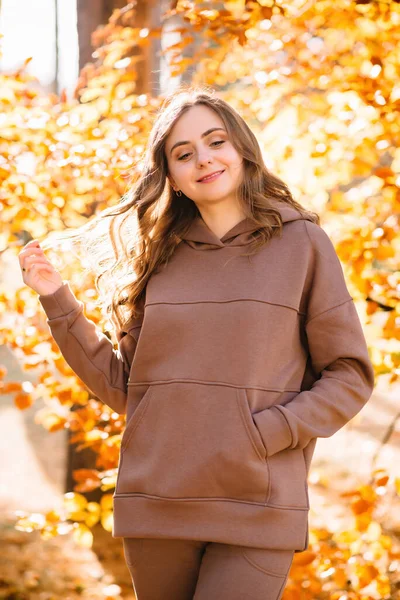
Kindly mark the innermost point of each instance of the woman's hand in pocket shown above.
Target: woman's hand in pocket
(37, 271)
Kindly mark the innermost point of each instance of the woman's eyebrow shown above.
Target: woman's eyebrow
(202, 135)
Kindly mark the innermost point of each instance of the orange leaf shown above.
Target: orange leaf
(87, 486)
(82, 474)
(23, 401)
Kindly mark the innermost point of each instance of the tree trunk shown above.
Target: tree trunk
(148, 14)
(90, 14)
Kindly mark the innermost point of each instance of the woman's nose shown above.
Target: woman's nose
(203, 158)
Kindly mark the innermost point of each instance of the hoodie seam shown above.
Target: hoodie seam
(227, 302)
(328, 309)
(205, 249)
(63, 313)
(210, 383)
(308, 233)
(207, 499)
(110, 385)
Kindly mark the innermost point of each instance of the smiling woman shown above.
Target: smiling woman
(211, 177)
(211, 158)
(241, 346)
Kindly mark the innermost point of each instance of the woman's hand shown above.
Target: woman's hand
(37, 271)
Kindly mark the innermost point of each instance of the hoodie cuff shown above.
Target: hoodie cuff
(274, 429)
(59, 303)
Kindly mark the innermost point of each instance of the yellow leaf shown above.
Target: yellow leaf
(83, 536)
(106, 502)
(373, 532)
(74, 502)
(93, 514)
(52, 516)
(107, 521)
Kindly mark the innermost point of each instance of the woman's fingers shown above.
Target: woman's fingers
(35, 257)
(28, 266)
(38, 272)
(33, 245)
(39, 267)
(32, 250)
(29, 259)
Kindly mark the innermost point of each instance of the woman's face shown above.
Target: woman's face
(200, 156)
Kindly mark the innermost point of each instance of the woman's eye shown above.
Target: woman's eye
(219, 142)
(216, 142)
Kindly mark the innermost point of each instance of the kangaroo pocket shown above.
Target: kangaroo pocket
(289, 485)
(194, 441)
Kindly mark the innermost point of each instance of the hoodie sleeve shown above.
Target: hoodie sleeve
(88, 351)
(339, 356)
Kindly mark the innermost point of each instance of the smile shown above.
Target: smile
(211, 177)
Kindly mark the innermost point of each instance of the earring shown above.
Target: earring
(178, 193)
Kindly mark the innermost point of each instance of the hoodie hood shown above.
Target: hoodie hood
(200, 236)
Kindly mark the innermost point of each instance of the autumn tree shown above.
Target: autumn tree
(318, 83)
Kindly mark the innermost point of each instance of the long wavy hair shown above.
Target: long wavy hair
(149, 222)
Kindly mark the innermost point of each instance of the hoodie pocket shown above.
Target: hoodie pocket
(135, 418)
(197, 441)
(289, 486)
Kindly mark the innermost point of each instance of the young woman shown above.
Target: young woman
(240, 346)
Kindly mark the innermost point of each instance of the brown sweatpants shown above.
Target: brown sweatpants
(172, 569)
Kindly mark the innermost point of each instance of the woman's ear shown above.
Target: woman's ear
(172, 182)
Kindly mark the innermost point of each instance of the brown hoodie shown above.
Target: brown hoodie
(236, 368)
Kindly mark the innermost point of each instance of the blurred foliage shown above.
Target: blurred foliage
(319, 85)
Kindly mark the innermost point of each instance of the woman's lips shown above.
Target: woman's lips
(210, 179)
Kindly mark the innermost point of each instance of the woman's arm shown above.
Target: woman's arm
(88, 351)
(338, 353)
